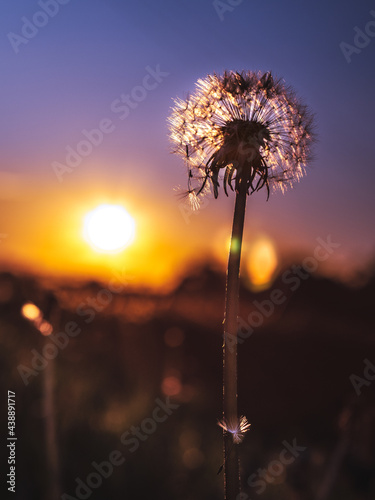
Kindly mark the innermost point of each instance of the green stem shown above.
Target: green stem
(231, 463)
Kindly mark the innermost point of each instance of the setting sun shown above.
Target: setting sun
(109, 228)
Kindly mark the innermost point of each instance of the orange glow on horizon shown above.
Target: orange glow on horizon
(44, 236)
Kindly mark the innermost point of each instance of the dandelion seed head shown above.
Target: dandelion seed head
(249, 124)
(237, 429)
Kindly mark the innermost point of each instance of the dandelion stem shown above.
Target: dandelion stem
(231, 463)
(252, 126)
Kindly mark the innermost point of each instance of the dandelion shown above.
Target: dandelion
(249, 125)
(247, 131)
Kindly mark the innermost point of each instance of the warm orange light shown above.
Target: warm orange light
(31, 312)
(262, 262)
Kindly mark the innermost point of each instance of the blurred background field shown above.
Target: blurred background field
(294, 384)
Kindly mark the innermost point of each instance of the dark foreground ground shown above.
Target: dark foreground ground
(137, 391)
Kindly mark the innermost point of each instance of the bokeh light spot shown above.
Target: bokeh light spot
(31, 312)
(45, 328)
(171, 386)
(262, 262)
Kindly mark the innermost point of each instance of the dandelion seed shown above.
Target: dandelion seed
(237, 430)
(189, 198)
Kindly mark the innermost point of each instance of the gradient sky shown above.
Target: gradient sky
(67, 77)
